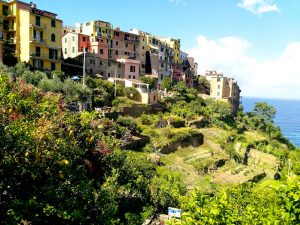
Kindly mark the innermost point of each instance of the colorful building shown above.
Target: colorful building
(73, 44)
(31, 35)
(101, 35)
(131, 68)
(224, 88)
(175, 45)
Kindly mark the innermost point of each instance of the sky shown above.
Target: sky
(257, 42)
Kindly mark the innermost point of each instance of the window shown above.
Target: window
(101, 63)
(133, 77)
(116, 52)
(134, 48)
(53, 54)
(53, 23)
(126, 45)
(108, 64)
(37, 20)
(218, 94)
(117, 34)
(66, 40)
(117, 43)
(101, 51)
(12, 24)
(108, 74)
(129, 76)
(119, 65)
(219, 86)
(143, 47)
(5, 10)
(218, 79)
(84, 39)
(73, 38)
(161, 77)
(91, 71)
(53, 37)
(119, 75)
(53, 66)
(132, 69)
(162, 65)
(73, 49)
(38, 51)
(66, 51)
(34, 34)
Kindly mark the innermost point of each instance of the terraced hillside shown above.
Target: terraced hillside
(210, 164)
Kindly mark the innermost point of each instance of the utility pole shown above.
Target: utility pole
(289, 169)
(83, 72)
(115, 83)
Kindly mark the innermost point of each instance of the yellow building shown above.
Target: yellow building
(175, 45)
(224, 88)
(31, 35)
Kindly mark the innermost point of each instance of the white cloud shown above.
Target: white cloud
(178, 2)
(259, 6)
(278, 78)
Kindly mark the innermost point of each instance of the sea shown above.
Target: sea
(287, 115)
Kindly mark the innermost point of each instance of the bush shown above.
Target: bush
(146, 119)
(128, 122)
(132, 93)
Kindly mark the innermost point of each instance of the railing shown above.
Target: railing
(8, 14)
(38, 41)
(131, 39)
(35, 54)
(39, 26)
(39, 55)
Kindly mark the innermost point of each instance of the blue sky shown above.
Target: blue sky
(250, 40)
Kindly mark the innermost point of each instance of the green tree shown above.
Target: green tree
(181, 88)
(132, 93)
(267, 112)
(166, 188)
(148, 80)
(167, 83)
(204, 86)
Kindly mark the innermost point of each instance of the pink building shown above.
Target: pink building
(125, 45)
(178, 73)
(132, 68)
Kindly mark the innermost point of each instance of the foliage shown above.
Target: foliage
(243, 205)
(167, 83)
(132, 93)
(59, 168)
(267, 112)
(181, 88)
(186, 110)
(166, 188)
(128, 122)
(148, 80)
(204, 86)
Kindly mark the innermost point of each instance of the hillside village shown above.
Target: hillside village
(41, 40)
(159, 144)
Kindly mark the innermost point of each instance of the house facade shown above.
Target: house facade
(31, 35)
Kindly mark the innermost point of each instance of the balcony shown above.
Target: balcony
(36, 55)
(130, 39)
(8, 14)
(40, 26)
(54, 58)
(38, 41)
